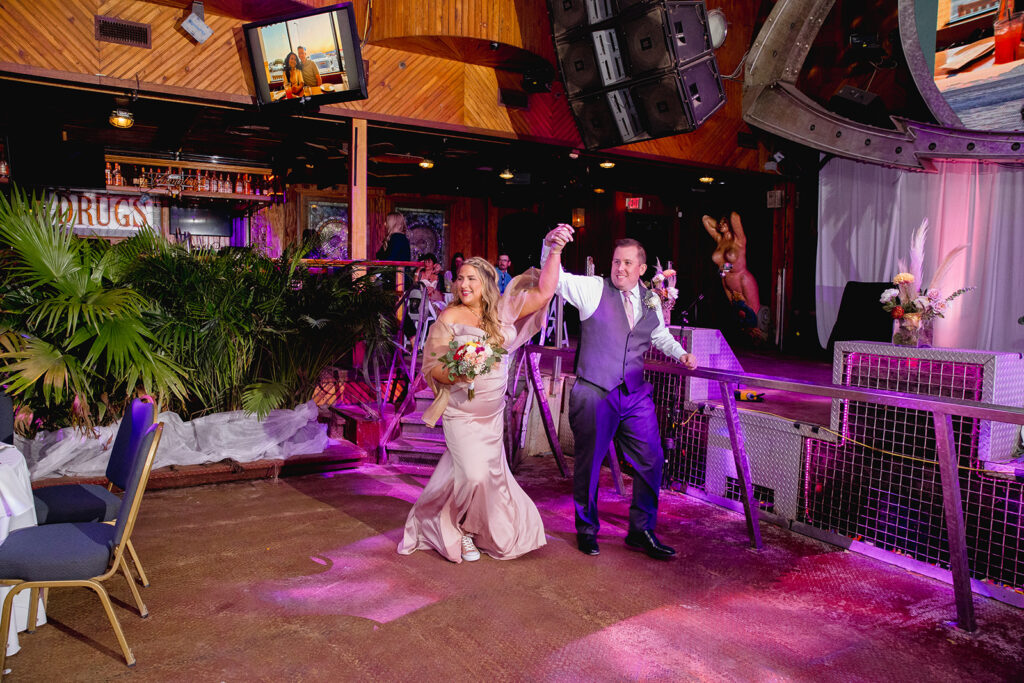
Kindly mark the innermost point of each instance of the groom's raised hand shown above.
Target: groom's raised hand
(689, 361)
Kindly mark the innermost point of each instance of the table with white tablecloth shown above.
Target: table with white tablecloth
(17, 511)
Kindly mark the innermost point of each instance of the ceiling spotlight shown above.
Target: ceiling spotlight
(707, 180)
(598, 190)
(507, 174)
(607, 164)
(195, 24)
(426, 163)
(122, 118)
(718, 27)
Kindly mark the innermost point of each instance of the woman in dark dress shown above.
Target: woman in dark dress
(395, 247)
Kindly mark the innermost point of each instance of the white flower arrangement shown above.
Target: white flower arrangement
(906, 298)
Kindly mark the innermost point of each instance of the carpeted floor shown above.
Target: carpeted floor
(298, 579)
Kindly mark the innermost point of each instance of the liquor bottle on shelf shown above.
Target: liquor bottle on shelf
(143, 179)
(204, 183)
(108, 172)
(118, 179)
(239, 185)
(246, 187)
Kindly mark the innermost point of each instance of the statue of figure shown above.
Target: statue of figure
(730, 256)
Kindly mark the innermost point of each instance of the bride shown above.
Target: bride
(472, 500)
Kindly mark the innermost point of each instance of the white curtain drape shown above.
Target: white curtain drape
(867, 213)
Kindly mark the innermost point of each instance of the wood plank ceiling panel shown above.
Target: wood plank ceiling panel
(512, 23)
(218, 65)
(49, 34)
(427, 88)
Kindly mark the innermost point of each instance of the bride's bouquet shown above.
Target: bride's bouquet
(471, 359)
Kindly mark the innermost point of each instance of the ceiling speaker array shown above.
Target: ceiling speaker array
(636, 69)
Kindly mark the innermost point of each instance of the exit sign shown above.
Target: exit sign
(634, 203)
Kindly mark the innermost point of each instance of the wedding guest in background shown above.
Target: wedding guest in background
(395, 246)
(504, 277)
(428, 275)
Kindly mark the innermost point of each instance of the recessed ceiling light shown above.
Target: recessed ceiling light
(507, 174)
(707, 180)
(607, 164)
(598, 190)
(426, 163)
(122, 118)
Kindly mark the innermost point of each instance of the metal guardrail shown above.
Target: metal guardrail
(942, 410)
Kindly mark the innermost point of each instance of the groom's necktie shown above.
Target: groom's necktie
(629, 308)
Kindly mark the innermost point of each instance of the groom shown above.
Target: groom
(610, 399)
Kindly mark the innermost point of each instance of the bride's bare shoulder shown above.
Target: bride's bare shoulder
(452, 315)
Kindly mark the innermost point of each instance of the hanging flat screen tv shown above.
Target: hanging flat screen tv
(307, 58)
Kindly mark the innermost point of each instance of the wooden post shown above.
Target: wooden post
(533, 365)
(953, 507)
(357, 190)
(739, 454)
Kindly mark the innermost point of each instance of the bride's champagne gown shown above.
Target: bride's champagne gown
(472, 490)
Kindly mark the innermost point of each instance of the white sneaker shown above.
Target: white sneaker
(469, 551)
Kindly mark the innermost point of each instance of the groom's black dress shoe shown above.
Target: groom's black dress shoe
(649, 543)
(587, 544)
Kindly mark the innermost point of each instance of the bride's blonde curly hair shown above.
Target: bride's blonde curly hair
(489, 296)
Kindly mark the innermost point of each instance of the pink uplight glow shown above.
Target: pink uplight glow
(360, 580)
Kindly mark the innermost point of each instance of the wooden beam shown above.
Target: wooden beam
(357, 190)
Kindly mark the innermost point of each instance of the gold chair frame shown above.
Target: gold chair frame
(117, 562)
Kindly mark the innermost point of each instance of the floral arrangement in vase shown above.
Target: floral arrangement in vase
(663, 284)
(912, 308)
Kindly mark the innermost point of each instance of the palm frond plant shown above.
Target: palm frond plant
(73, 342)
(324, 317)
(255, 332)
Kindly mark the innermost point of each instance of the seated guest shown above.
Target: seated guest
(428, 275)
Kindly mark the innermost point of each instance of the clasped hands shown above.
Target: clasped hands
(559, 236)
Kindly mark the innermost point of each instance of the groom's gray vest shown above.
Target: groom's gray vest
(610, 353)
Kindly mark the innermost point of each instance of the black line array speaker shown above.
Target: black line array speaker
(636, 69)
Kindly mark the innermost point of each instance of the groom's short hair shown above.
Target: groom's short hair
(630, 242)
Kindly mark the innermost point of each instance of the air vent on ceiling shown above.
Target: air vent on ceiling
(122, 32)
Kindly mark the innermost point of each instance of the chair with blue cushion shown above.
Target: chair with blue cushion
(66, 503)
(78, 553)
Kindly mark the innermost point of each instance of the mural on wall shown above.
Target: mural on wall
(426, 231)
(330, 222)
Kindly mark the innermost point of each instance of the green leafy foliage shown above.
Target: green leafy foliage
(72, 337)
(85, 325)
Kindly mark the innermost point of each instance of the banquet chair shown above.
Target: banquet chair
(420, 306)
(78, 554)
(65, 503)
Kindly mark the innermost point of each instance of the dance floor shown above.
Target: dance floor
(298, 579)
